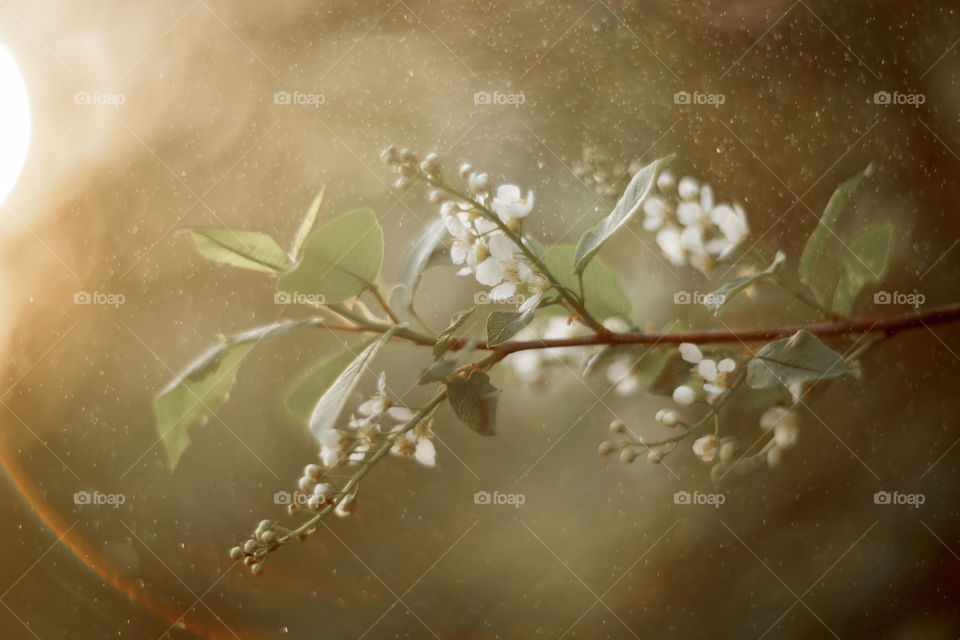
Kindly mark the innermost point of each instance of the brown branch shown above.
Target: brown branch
(843, 326)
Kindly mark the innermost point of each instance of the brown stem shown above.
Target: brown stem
(843, 326)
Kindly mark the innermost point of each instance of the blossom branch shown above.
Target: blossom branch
(889, 325)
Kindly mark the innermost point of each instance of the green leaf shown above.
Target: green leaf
(194, 394)
(799, 358)
(716, 300)
(245, 249)
(272, 330)
(474, 401)
(306, 391)
(339, 259)
(417, 260)
(443, 340)
(503, 325)
(605, 295)
(328, 407)
(864, 261)
(819, 266)
(628, 205)
(307, 224)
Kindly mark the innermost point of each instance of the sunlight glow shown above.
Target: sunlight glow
(14, 123)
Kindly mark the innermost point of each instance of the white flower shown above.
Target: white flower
(331, 447)
(510, 204)
(706, 448)
(688, 188)
(417, 443)
(713, 374)
(504, 269)
(668, 239)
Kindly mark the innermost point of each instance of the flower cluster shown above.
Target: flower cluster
(691, 228)
(375, 419)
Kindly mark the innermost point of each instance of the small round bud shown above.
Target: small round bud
(775, 457)
(315, 502)
(605, 448)
(249, 560)
(479, 181)
(717, 472)
(256, 569)
(389, 155)
(727, 451)
(671, 419)
(264, 525)
(249, 546)
(403, 183)
(666, 182)
(628, 455)
(659, 416)
(307, 484)
(655, 456)
(408, 156)
(435, 197)
(293, 508)
(465, 170)
(268, 537)
(321, 490)
(617, 426)
(684, 395)
(431, 164)
(347, 505)
(236, 553)
(314, 471)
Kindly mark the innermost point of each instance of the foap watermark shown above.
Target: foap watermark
(711, 499)
(298, 98)
(485, 497)
(99, 98)
(99, 298)
(296, 297)
(699, 98)
(484, 297)
(695, 297)
(909, 499)
(498, 98)
(288, 498)
(99, 499)
(914, 299)
(897, 97)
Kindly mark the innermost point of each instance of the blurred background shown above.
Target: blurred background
(152, 116)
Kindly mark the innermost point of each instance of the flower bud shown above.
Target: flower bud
(408, 156)
(605, 448)
(236, 553)
(256, 569)
(315, 502)
(655, 456)
(479, 181)
(684, 395)
(268, 537)
(435, 197)
(307, 484)
(617, 426)
(671, 419)
(666, 182)
(402, 184)
(431, 164)
(727, 451)
(465, 170)
(775, 457)
(249, 546)
(389, 155)
(263, 526)
(348, 505)
(314, 471)
(628, 455)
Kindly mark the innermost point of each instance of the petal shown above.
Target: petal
(489, 272)
(401, 414)
(507, 193)
(503, 292)
(707, 369)
(458, 252)
(426, 453)
(726, 365)
(684, 395)
(501, 247)
(690, 352)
